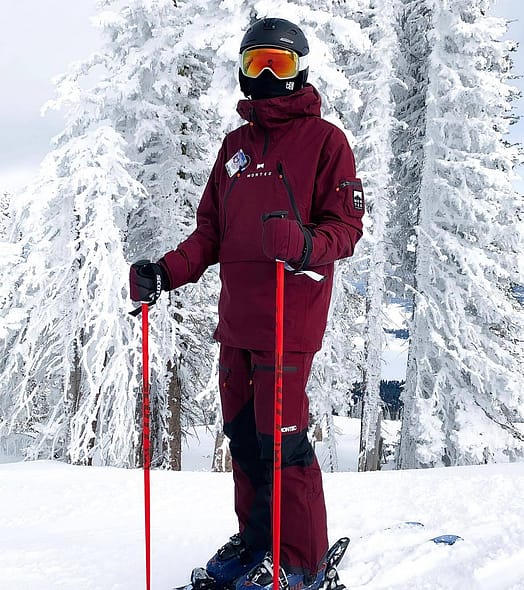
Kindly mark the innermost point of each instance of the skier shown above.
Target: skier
(283, 187)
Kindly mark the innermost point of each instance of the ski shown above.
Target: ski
(445, 539)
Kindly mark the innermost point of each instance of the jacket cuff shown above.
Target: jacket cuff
(164, 273)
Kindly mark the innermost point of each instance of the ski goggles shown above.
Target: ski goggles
(283, 63)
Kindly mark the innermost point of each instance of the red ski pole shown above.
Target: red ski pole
(277, 457)
(146, 439)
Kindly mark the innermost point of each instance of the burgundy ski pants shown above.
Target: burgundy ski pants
(247, 382)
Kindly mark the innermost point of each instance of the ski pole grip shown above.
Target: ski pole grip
(279, 214)
(133, 272)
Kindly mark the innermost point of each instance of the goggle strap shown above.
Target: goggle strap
(303, 62)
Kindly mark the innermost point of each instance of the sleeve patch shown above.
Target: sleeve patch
(358, 200)
(357, 193)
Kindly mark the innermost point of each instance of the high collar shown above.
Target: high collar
(270, 112)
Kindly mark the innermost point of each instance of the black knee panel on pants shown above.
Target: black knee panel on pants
(297, 451)
(243, 441)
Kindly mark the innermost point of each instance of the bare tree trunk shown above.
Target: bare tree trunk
(92, 441)
(331, 443)
(371, 402)
(369, 456)
(174, 404)
(318, 435)
(74, 390)
(222, 454)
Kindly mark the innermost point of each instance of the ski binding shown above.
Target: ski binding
(334, 557)
(200, 580)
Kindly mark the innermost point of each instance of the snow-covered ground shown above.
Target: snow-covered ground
(81, 528)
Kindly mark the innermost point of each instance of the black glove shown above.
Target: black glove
(282, 239)
(146, 281)
(286, 239)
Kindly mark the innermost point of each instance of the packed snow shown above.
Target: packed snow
(81, 528)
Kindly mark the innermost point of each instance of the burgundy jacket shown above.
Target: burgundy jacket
(296, 162)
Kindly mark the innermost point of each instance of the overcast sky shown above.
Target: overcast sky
(40, 38)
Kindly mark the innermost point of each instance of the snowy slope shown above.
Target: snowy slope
(79, 528)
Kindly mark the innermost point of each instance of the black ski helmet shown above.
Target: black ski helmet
(274, 32)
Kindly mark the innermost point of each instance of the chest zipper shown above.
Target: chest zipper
(254, 120)
(289, 191)
(226, 197)
(308, 236)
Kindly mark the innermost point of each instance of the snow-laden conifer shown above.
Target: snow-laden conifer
(464, 384)
(11, 316)
(5, 216)
(68, 365)
(375, 127)
(408, 140)
(150, 82)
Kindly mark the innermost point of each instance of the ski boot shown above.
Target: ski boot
(231, 561)
(261, 578)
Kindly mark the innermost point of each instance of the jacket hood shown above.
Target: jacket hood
(270, 112)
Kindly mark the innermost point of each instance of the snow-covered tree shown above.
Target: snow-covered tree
(68, 366)
(408, 139)
(5, 216)
(10, 256)
(145, 85)
(376, 126)
(464, 385)
(149, 90)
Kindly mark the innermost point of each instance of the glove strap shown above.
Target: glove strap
(308, 248)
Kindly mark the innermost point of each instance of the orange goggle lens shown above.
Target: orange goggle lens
(282, 62)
